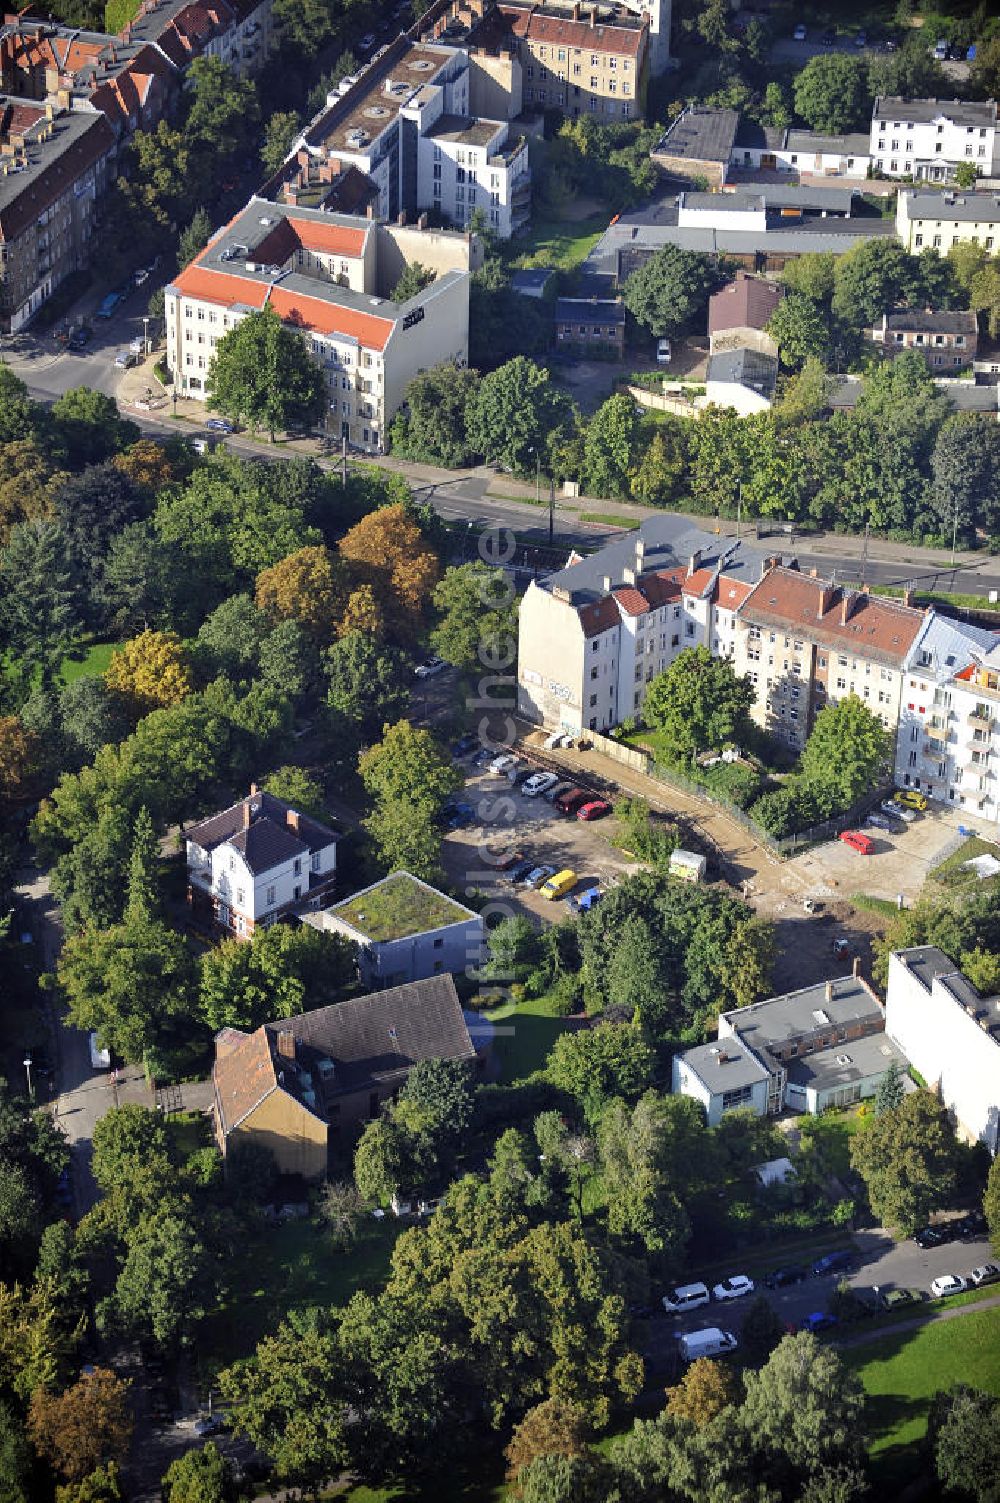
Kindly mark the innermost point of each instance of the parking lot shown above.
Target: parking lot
(898, 865)
(505, 821)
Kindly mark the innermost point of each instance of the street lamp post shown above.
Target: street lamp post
(173, 398)
(27, 1067)
(145, 335)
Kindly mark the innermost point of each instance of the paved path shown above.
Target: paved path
(903, 1327)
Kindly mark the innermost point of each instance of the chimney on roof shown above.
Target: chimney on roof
(908, 595)
(694, 562)
(593, 16)
(640, 555)
(866, 589)
(606, 584)
(576, 10)
(253, 789)
(814, 574)
(856, 967)
(422, 220)
(628, 576)
(246, 814)
(847, 600)
(825, 600)
(829, 991)
(401, 221)
(292, 819)
(285, 1043)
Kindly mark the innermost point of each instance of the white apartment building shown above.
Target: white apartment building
(949, 729)
(940, 220)
(951, 1035)
(405, 123)
(256, 861)
(594, 635)
(323, 274)
(927, 139)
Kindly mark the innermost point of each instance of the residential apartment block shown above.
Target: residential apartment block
(949, 726)
(257, 861)
(404, 930)
(823, 1046)
(583, 62)
(304, 1087)
(54, 165)
(937, 221)
(927, 139)
(948, 340)
(951, 1033)
(327, 276)
(593, 635)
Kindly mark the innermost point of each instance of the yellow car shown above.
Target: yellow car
(559, 885)
(910, 799)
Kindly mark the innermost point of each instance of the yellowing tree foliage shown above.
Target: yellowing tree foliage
(81, 1429)
(151, 670)
(20, 751)
(387, 551)
(706, 1389)
(305, 587)
(363, 613)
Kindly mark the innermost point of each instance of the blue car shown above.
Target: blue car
(587, 900)
(818, 1321)
(834, 1262)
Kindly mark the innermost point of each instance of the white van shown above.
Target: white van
(685, 1297)
(100, 1059)
(710, 1342)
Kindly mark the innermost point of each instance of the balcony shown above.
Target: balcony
(980, 718)
(936, 732)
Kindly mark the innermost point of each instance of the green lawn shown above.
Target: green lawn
(88, 662)
(901, 1373)
(560, 242)
(282, 1268)
(525, 1033)
(951, 869)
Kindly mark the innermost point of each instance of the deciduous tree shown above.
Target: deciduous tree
(299, 788)
(432, 425)
(388, 551)
(279, 137)
(84, 1427)
(103, 1485)
(907, 1158)
(369, 684)
(552, 1428)
(477, 617)
(763, 1328)
(150, 671)
(699, 703)
(847, 749)
(967, 1445)
(672, 287)
(705, 1390)
(512, 414)
(263, 375)
(409, 776)
(306, 587)
(282, 972)
(612, 1059)
(800, 330)
(832, 93)
(805, 1406)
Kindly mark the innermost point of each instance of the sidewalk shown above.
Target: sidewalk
(905, 1327)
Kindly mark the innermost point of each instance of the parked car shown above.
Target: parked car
(538, 875)
(858, 841)
(861, 40)
(108, 305)
(820, 1320)
(910, 798)
(896, 811)
(502, 764)
(553, 740)
(940, 50)
(946, 1284)
(219, 425)
(558, 885)
(596, 809)
(895, 1299)
(986, 1273)
(140, 276)
(568, 803)
(209, 1424)
(934, 1236)
(461, 816)
(781, 1278)
(834, 1262)
(708, 1342)
(78, 340)
(125, 359)
(519, 871)
(685, 1297)
(553, 794)
(464, 745)
(586, 901)
(512, 859)
(366, 43)
(970, 1226)
(735, 1287)
(137, 344)
(799, 34)
(538, 783)
(664, 354)
(881, 822)
(428, 669)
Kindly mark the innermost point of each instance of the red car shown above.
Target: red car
(596, 809)
(858, 842)
(569, 802)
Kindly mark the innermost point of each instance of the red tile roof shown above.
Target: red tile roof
(331, 318)
(243, 1077)
(877, 628)
(218, 287)
(600, 616)
(632, 601)
(560, 31)
(731, 593)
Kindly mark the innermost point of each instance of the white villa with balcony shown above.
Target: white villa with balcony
(257, 861)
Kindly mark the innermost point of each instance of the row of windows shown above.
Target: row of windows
(558, 97)
(596, 58)
(918, 241)
(909, 125)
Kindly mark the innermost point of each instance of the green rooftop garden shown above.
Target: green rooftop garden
(397, 907)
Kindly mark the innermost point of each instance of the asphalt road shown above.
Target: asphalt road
(879, 1260)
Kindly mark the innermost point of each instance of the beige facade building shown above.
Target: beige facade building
(937, 221)
(328, 276)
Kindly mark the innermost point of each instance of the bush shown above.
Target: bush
(498, 1106)
(734, 781)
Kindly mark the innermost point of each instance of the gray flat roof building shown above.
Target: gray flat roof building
(701, 135)
(973, 208)
(724, 1067)
(844, 1064)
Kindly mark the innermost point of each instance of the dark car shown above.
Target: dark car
(934, 1236)
(782, 1277)
(512, 859)
(79, 339)
(894, 1299)
(970, 1226)
(464, 745)
(829, 38)
(818, 1321)
(834, 1262)
(568, 803)
(520, 871)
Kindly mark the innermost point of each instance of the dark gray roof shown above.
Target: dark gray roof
(703, 135)
(745, 368)
(964, 396)
(846, 1063)
(371, 1039)
(813, 1009)
(925, 321)
(972, 208)
(775, 196)
(265, 811)
(534, 277)
(760, 137)
(724, 1066)
(668, 541)
(266, 844)
(891, 107)
(926, 962)
(592, 310)
(628, 241)
(854, 144)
